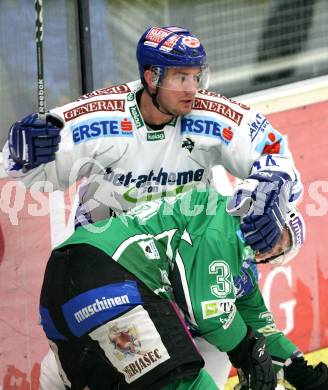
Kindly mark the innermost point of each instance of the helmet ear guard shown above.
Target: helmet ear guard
(157, 75)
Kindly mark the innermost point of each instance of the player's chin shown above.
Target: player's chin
(184, 108)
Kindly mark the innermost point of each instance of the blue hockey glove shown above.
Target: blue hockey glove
(261, 201)
(34, 141)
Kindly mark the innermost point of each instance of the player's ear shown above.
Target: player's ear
(149, 78)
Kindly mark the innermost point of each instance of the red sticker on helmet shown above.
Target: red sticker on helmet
(191, 42)
(168, 45)
(156, 35)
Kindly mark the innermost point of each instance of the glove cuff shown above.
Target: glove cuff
(240, 354)
(270, 176)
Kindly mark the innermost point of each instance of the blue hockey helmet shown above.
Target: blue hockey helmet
(295, 227)
(164, 47)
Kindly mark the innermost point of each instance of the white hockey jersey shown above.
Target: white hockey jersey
(106, 140)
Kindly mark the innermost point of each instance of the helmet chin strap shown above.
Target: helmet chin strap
(266, 261)
(155, 102)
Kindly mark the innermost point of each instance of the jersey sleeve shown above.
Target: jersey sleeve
(214, 306)
(257, 146)
(207, 267)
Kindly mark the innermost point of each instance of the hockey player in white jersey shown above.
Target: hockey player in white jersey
(157, 137)
(154, 137)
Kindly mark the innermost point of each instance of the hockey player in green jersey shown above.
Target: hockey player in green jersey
(101, 300)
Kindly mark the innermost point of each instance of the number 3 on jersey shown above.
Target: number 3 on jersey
(224, 285)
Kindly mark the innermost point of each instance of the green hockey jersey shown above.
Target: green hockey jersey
(190, 236)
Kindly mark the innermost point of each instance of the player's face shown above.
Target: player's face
(178, 89)
(282, 246)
